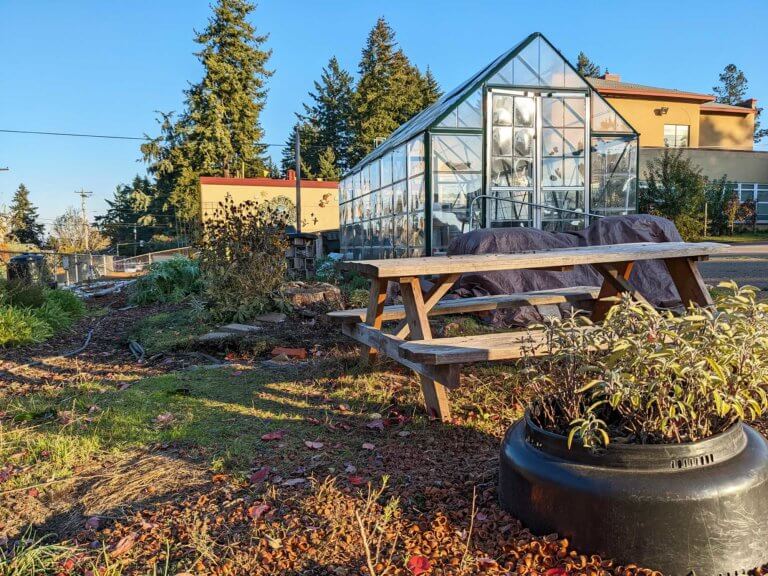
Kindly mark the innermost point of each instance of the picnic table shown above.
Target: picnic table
(438, 361)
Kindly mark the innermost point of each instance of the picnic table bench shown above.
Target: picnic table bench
(438, 361)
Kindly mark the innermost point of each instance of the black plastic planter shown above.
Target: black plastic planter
(692, 508)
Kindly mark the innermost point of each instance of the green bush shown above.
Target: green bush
(54, 315)
(67, 301)
(646, 377)
(168, 281)
(19, 326)
(21, 294)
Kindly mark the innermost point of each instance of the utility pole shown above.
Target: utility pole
(86, 229)
(298, 179)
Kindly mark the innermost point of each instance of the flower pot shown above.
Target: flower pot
(698, 507)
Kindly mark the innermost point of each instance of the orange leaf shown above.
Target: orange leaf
(418, 565)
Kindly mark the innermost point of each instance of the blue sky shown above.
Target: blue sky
(105, 67)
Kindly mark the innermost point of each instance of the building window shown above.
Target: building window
(676, 135)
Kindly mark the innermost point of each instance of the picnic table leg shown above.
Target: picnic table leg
(439, 289)
(688, 281)
(435, 394)
(375, 311)
(609, 288)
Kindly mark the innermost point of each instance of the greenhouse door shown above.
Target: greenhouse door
(538, 161)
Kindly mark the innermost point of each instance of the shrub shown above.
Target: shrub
(242, 258)
(646, 377)
(168, 281)
(54, 315)
(21, 294)
(67, 301)
(19, 326)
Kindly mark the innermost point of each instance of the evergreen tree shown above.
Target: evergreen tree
(733, 90)
(219, 132)
(733, 86)
(331, 114)
(309, 151)
(586, 67)
(23, 218)
(326, 169)
(389, 92)
(430, 89)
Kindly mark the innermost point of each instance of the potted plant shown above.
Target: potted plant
(635, 445)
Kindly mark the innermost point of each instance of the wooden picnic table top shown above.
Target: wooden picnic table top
(605, 254)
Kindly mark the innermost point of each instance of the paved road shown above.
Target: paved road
(745, 263)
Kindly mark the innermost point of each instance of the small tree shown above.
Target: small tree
(69, 234)
(586, 67)
(676, 190)
(326, 168)
(722, 204)
(23, 218)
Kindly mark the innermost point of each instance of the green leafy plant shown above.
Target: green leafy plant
(22, 294)
(67, 301)
(19, 326)
(168, 281)
(54, 315)
(646, 377)
(242, 258)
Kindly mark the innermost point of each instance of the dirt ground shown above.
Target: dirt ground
(220, 460)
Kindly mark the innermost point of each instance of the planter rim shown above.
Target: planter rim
(662, 457)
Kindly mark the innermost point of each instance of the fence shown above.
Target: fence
(136, 264)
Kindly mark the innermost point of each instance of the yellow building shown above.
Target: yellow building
(717, 137)
(319, 199)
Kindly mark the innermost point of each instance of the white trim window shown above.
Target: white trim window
(676, 135)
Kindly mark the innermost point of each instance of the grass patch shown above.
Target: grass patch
(172, 330)
(739, 238)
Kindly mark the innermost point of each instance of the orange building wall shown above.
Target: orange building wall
(645, 117)
(731, 131)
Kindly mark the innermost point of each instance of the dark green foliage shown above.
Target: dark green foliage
(430, 89)
(309, 150)
(242, 258)
(23, 218)
(54, 315)
(67, 301)
(722, 205)
(326, 166)
(21, 295)
(586, 67)
(676, 190)
(732, 89)
(168, 281)
(219, 133)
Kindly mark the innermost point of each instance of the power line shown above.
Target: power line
(116, 137)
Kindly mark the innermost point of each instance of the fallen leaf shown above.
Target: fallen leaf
(294, 481)
(164, 419)
(260, 475)
(257, 511)
(368, 446)
(34, 492)
(349, 468)
(356, 480)
(237, 373)
(376, 424)
(92, 523)
(556, 572)
(480, 516)
(486, 563)
(418, 565)
(277, 435)
(404, 433)
(343, 407)
(124, 545)
(313, 445)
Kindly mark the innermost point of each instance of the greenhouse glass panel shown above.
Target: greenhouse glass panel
(416, 156)
(398, 164)
(613, 175)
(386, 170)
(375, 175)
(470, 112)
(605, 118)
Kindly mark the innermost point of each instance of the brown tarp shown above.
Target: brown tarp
(650, 277)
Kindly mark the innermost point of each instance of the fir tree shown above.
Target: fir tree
(586, 67)
(331, 113)
(733, 90)
(326, 169)
(430, 89)
(23, 218)
(219, 132)
(309, 155)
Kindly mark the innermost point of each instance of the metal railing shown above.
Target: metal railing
(471, 210)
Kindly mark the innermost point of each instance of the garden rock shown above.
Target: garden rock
(272, 318)
(240, 328)
(215, 336)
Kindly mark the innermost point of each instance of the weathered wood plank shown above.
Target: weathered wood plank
(481, 303)
(398, 267)
(389, 346)
(688, 281)
(481, 348)
(431, 298)
(373, 316)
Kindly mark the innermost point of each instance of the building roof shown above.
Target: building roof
(268, 182)
(726, 108)
(611, 87)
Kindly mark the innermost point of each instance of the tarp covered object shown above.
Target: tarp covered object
(650, 277)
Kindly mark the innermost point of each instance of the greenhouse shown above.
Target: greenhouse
(506, 148)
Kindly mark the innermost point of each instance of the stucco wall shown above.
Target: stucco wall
(740, 166)
(734, 131)
(319, 206)
(644, 117)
